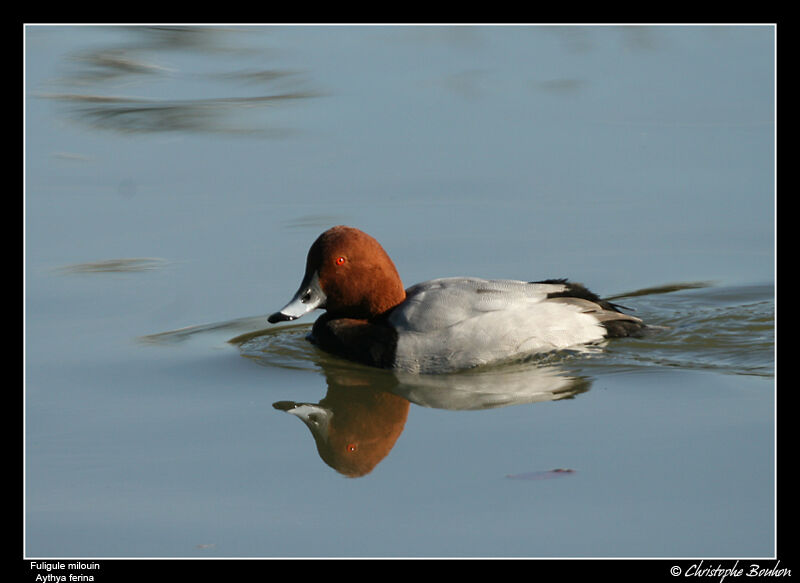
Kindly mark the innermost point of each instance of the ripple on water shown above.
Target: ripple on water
(726, 329)
(281, 346)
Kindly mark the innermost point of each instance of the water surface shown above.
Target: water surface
(175, 178)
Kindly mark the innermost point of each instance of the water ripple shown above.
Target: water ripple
(725, 329)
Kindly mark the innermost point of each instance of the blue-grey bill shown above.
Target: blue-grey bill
(307, 299)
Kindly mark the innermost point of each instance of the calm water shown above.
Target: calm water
(175, 178)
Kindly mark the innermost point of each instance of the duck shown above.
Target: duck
(443, 325)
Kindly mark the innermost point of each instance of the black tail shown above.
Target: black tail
(615, 328)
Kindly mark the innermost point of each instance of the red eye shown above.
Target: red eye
(340, 260)
(351, 447)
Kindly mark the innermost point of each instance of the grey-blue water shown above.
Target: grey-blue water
(175, 178)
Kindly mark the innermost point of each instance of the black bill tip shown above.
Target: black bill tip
(279, 317)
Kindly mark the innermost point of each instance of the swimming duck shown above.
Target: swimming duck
(442, 325)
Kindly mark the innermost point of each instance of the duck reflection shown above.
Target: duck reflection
(364, 410)
(359, 420)
(488, 388)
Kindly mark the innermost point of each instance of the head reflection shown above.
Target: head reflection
(357, 423)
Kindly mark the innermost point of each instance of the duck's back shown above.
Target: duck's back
(455, 323)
